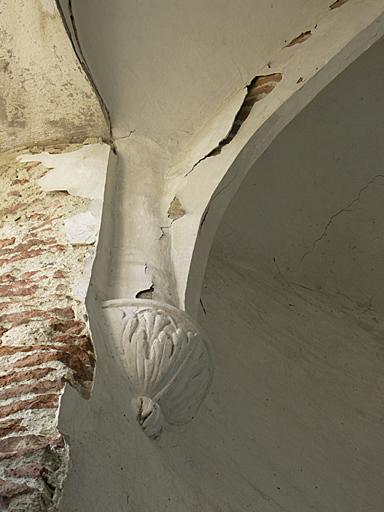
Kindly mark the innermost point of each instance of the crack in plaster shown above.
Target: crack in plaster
(339, 212)
(215, 196)
(258, 87)
(337, 4)
(202, 306)
(115, 139)
(75, 41)
(162, 228)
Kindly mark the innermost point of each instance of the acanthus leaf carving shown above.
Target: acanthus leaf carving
(168, 363)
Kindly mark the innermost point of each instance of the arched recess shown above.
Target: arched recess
(293, 303)
(211, 184)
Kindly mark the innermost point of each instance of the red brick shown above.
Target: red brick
(15, 377)
(7, 241)
(40, 402)
(26, 471)
(36, 388)
(10, 427)
(9, 490)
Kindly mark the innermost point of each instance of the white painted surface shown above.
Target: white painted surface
(80, 172)
(313, 201)
(294, 421)
(154, 145)
(218, 178)
(193, 56)
(167, 360)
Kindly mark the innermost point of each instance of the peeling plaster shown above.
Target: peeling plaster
(256, 90)
(146, 294)
(337, 4)
(81, 173)
(210, 136)
(82, 228)
(320, 64)
(175, 210)
(300, 39)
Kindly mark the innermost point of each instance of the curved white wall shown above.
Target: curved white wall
(165, 69)
(313, 201)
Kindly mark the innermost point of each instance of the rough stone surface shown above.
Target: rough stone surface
(45, 341)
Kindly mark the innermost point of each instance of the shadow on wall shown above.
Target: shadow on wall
(311, 207)
(294, 420)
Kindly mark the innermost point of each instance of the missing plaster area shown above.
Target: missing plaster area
(175, 210)
(337, 4)
(257, 89)
(300, 39)
(260, 87)
(146, 294)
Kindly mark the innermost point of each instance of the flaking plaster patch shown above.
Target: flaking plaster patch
(211, 135)
(80, 286)
(175, 210)
(82, 228)
(81, 173)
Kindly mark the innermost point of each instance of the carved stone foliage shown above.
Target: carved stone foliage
(167, 361)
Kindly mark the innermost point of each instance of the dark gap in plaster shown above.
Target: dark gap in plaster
(139, 416)
(204, 217)
(163, 233)
(145, 294)
(300, 39)
(75, 42)
(50, 486)
(215, 196)
(257, 89)
(337, 4)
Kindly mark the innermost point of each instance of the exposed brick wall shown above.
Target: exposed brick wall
(45, 341)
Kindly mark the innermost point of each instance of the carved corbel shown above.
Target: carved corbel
(167, 361)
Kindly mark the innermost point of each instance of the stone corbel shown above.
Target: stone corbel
(166, 359)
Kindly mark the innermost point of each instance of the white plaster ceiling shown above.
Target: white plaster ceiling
(165, 69)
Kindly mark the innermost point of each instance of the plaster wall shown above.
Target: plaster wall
(311, 207)
(293, 420)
